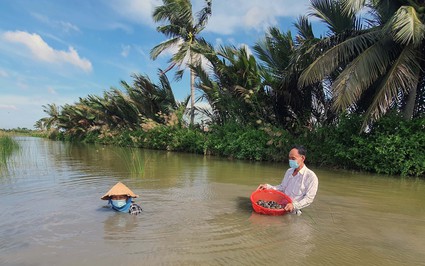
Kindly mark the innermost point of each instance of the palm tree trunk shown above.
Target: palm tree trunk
(192, 97)
(410, 104)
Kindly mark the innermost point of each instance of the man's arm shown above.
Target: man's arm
(281, 187)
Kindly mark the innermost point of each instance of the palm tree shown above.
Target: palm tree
(149, 99)
(233, 86)
(282, 58)
(116, 109)
(183, 31)
(375, 65)
(52, 120)
(276, 52)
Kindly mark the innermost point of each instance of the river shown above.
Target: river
(196, 211)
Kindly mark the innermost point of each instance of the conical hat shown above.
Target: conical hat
(119, 189)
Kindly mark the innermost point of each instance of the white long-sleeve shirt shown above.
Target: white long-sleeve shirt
(301, 188)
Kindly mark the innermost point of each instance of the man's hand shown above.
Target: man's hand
(289, 207)
(262, 186)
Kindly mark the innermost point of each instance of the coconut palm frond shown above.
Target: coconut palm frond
(339, 54)
(364, 70)
(158, 49)
(203, 16)
(305, 30)
(407, 26)
(403, 74)
(332, 14)
(353, 6)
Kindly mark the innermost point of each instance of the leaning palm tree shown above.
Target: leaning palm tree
(380, 65)
(183, 31)
(149, 99)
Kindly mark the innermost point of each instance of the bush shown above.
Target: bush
(158, 138)
(328, 145)
(188, 140)
(248, 142)
(392, 146)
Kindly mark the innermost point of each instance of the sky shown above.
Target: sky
(57, 51)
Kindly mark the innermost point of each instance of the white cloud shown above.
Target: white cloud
(19, 111)
(41, 51)
(136, 10)
(51, 90)
(139, 49)
(24, 111)
(22, 84)
(67, 26)
(125, 50)
(3, 73)
(17, 100)
(64, 26)
(117, 25)
(8, 107)
(230, 16)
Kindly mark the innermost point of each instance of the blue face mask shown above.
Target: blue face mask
(293, 164)
(119, 203)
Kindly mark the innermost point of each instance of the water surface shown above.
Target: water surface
(196, 212)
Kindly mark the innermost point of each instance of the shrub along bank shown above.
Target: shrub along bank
(392, 146)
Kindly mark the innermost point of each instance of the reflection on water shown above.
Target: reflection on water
(119, 227)
(196, 212)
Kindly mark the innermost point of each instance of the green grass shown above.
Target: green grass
(134, 162)
(7, 146)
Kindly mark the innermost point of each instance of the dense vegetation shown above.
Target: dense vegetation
(355, 98)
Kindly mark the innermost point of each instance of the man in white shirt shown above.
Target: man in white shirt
(299, 182)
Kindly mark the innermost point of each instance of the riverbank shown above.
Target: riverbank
(393, 146)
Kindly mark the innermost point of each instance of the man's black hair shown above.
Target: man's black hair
(301, 149)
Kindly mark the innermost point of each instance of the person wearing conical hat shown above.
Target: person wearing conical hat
(120, 197)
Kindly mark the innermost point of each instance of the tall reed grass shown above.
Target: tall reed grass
(7, 146)
(134, 162)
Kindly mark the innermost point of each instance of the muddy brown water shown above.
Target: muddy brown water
(196, 212)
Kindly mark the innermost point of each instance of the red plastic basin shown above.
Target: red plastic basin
(267, 195)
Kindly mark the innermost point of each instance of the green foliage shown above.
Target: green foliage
(188, 140)
(158, 138)
(91, 137)
(393, 146)
(247, 142)
(250, 144)
(328, 145)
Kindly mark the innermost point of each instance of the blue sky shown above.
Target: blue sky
(55, 51)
